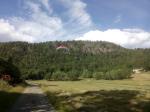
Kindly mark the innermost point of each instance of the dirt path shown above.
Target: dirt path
(32, 100)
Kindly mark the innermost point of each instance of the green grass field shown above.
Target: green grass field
(8, 95)
(132, 95)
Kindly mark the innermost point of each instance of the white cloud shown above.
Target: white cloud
(130, 38)
(42, 17)
(77, 12)
(47, 5)
(43, 24)
(9, 33)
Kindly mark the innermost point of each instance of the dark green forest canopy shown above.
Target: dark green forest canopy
(84, 58)
(8, 68)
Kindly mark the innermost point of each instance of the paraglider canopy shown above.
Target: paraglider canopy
(63, 48)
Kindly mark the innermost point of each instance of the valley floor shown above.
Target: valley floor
(132, 95)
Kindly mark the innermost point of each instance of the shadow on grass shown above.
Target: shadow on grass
(100, 101)
(8, 96)
(92, 101)
(28, 102)
(7, 100)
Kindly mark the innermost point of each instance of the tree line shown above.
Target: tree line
(85, 59)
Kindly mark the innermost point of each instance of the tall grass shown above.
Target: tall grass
(4, 85)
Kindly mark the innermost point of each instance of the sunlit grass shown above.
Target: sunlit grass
(130, 95)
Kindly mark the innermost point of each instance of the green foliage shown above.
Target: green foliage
(114, 74)
(59, 75)
(86, 74)
(118, 74)
(4, 85)
(98, 75)
(8, 68)
(48, 76)
(73, 75)
(37, 60)
(34, 74)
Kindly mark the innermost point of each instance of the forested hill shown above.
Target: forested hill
(75, 46)
(77, 56)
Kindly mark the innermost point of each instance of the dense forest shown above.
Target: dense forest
(76, 59)
(8, 68)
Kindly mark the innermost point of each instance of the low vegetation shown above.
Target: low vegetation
(129, 95)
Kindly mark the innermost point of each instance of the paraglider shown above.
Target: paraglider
(62, 48)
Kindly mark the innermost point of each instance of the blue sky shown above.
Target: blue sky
(124, 22)
(132, 13)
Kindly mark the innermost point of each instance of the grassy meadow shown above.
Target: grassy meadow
(8, 95)
(130, 95)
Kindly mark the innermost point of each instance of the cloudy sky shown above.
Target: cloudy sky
(124, 22)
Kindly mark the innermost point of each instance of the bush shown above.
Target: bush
(34, 74)
(48, 76)
(108, 76)
(73, 75)
(116, 74)
(9, 68)
(62, 76)
(59, 75)
(98, 75)
(4, 85)
(86, 74)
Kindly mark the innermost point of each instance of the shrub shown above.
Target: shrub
(59, 75)
(86, 74)
(108, 76)
(4, 85)
(48, 76)
(34, 74)
(115, 74)
(98, 75)
(72, 75)
(9, 68)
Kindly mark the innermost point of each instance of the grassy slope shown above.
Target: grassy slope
(8, 96)
(98, 96)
